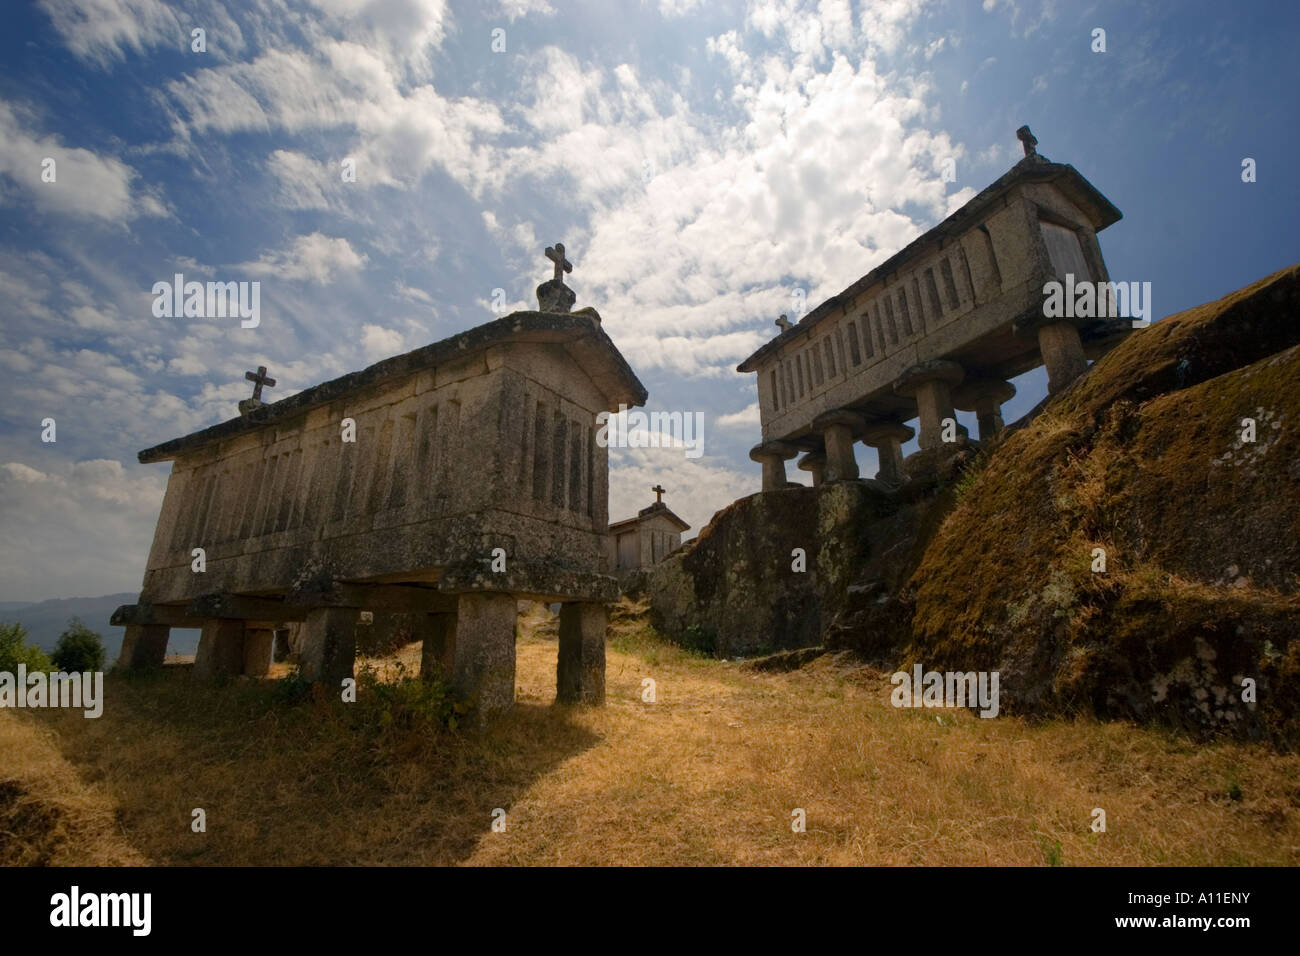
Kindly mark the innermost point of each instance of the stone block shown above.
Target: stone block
(143, 646)
(257, 651)
(221, 649)
(483, 667)
(580, 670)
(329, 645)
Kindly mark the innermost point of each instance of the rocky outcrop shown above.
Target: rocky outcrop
(737, 589)
(1144, 460)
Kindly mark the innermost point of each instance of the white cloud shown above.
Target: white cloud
(378, 342)
(93, 520)
(746, 419)
(516, 9)
(315, 257)
(104, 31)
(695, 489)
(85, 183)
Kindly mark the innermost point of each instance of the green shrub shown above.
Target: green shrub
(700, 640)
(407, 703)
(15, 650)
(79, 649)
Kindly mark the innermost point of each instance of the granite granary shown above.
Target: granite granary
(446, 483)
(942, 324)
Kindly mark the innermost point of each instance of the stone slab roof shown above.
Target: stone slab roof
(1031, 169)
(655, 510)
(581, 331)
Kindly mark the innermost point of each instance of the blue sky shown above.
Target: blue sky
(700, 161)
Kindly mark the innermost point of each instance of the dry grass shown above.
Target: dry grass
(48, 814)
(708, 774)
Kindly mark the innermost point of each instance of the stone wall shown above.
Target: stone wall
(733, 592)
(495, 450)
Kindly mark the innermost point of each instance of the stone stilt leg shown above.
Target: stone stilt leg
(815, 463)
(483, 667)
(984, 397)
(257, 651)
(1062, 352)
(280, 651)
(580, 672)
(221, 649)
(989, 416)
(933, 405)
(773, 455)
(438, 648)
(930, 383)
(887, 438)
(839, 429)
(773, 473)
(143, 646)
(329, 650)
(840, 463)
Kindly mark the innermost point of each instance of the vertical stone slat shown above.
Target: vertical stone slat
(379, 468)
(561, 435)
(290, 491)
(401, 461)
(575, 468)
(274, 490)
(541, 460)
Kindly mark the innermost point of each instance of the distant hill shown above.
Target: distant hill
(46, 620)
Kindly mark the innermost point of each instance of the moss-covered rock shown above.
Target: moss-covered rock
(1143, 457)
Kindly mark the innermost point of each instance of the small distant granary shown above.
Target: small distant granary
(942, 324)
(446, 483)
(648, 538)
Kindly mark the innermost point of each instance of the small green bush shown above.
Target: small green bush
(700, 640)
(15, 650)
(406, 703)
(79, 649)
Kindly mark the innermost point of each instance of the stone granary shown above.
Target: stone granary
(648, 538)
(447, 483)
(943, 324)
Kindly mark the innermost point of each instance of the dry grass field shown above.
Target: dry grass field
(710, 773)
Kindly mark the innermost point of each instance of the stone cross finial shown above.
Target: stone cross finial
(1027, 140)
(784, 323)
(258, 380)
(659, 494)
(556, 254)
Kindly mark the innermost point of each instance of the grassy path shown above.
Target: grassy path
(710, 773)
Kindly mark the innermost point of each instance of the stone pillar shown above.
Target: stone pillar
(773, 455)
(280, 648)
(580, 671)
(1062, 351)
(329, 646)
(143, 646)
(221, 649)
(815, 463)
(887, 439)
(840, 428)
(438, 646)
(257, 651)
(930, 383)
(984, 397)
(483, 668)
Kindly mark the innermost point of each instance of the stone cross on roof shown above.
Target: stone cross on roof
(659, 494)
(258, 380)
(1027, 140)
(784, 323)
(556, 254)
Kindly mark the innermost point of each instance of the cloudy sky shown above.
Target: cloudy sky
(701, 161)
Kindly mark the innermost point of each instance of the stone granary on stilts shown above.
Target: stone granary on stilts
(446, 484)
(943, 324)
